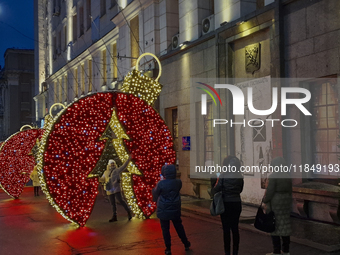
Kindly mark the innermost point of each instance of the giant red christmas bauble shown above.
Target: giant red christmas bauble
(75, 144)
(17, 161)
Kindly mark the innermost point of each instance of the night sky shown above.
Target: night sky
(16, 15)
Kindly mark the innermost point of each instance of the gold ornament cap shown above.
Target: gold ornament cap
(141, 86)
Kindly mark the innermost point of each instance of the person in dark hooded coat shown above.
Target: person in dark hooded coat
(166, 193)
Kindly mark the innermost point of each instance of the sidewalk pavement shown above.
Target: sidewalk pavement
(321, 236)
(30, 226)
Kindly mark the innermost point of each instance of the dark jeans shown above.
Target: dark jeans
(277, 244)
(165, 225)
(36, 190)
(118, 196)
(230, 219)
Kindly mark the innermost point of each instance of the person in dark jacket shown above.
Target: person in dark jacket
(278, 198)
(166, 193)
(231, 184)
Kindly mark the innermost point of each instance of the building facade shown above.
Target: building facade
(17, 107)
(88, 46)
(268, 40)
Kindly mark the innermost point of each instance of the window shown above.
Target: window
(104, 66)
(90, 75)
(113, 3)
(25, 97)
(88, 13)
(54, 44)
(59, 42)
(65, 87)
(102, 7)
(55, 92)
(134, 40)
(75, 82)
(75, 28)
(81, 21)
(211, 7)
(259, 4)
(82, 79)
(114, 62)
(208, 136)
(325, 123)
(60, 99)
(65, 38)
(25, 117)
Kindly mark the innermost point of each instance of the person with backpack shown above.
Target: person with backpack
(111, 178)
(166, 193)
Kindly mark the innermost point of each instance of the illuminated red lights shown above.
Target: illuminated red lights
(76, 145)
(150, 142)
(17, 161)
(73, 149)
(72, 152)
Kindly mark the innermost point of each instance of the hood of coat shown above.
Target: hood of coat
(169, 172)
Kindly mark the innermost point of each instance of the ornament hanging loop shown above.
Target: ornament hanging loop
(55, 105)
(24, 126)
(154, 56)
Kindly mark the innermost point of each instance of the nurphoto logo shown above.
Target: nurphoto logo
(239, 104)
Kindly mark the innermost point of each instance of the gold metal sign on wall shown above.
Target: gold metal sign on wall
(252, 54)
